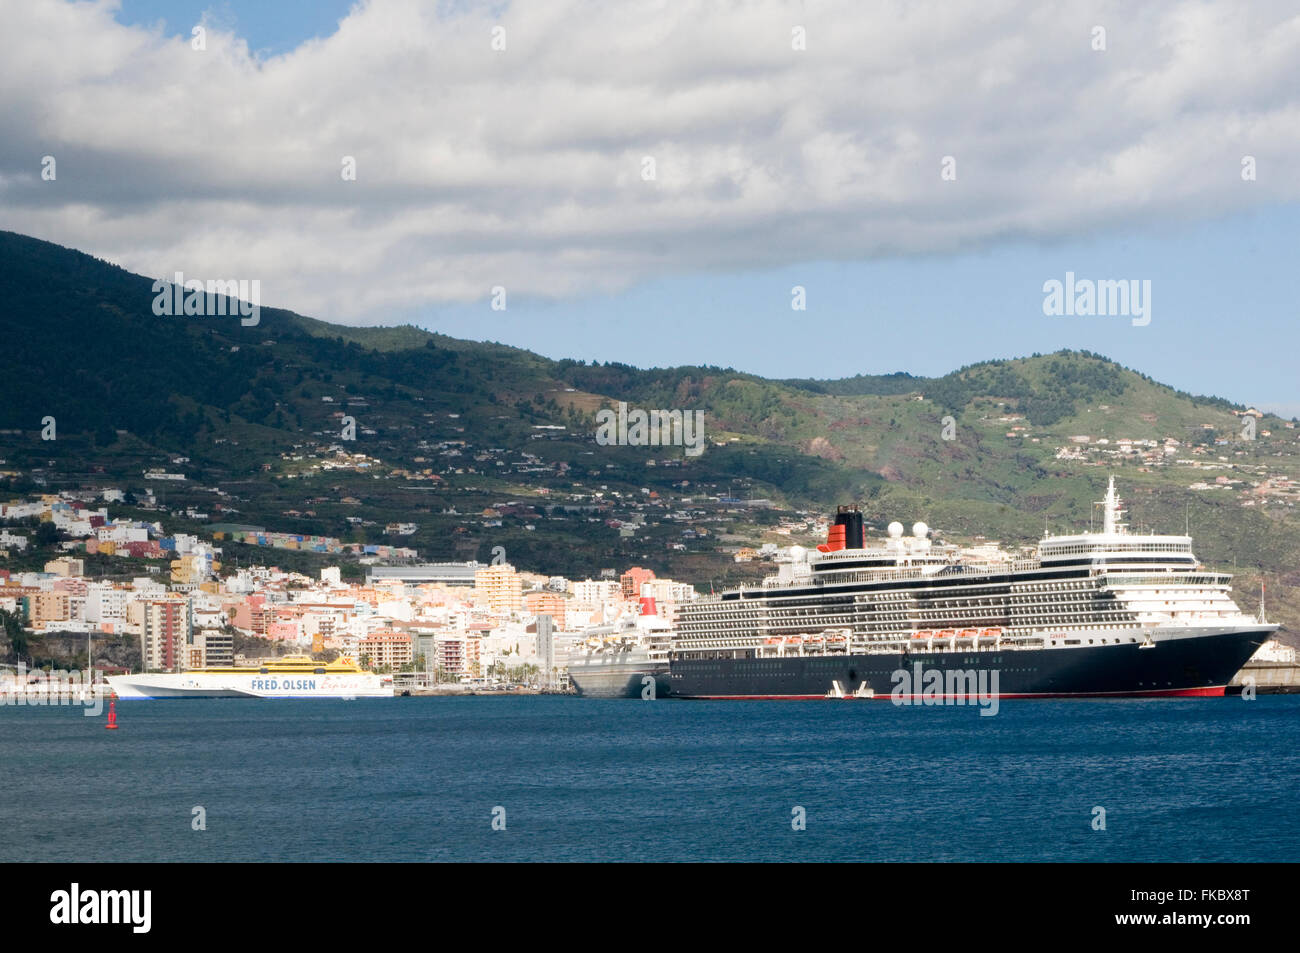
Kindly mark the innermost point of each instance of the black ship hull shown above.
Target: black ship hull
(1202, 665)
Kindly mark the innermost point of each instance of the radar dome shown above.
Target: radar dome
(895, 529)
(920, 530)
(797, 553)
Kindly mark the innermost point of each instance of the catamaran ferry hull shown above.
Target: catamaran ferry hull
(205, 685)
(1187, 663)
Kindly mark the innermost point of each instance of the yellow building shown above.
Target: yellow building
(501, 587)
(66, 566)
(190, 570)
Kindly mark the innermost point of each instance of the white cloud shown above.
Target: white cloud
(523, 168)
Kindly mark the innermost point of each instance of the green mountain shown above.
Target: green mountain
(464, 439)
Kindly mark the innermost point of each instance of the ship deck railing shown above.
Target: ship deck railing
(860, 646)
(917, 571)
(1163, 580)
(959, 571)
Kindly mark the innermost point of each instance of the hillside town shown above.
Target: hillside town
(462, 622)
(450, 622)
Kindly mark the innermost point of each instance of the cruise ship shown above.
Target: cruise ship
(293, 676)
(615, 660)
(1096, 614)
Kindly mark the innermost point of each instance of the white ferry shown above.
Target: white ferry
(294, 676)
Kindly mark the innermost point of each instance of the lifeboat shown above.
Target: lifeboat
(990, 633)
(947, 633)
(969, 633)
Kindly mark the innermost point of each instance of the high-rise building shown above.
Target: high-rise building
(168, 634)
(386, 648)
(546, 649)
(451, 652)
(501, 587)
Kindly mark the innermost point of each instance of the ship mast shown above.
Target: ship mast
(1112, 510)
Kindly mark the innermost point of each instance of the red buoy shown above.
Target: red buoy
(112, 715)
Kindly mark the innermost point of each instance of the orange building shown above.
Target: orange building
(547, 603)
(51, 607)
(632, 579)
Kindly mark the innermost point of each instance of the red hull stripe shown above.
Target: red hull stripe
(1212, 691)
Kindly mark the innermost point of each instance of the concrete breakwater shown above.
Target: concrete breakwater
(1269, 678)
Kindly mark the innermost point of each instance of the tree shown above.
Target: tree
(14, 631)
(47, 534)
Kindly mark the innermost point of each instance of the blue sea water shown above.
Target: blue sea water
(416, 779)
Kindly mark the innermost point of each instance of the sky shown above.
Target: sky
(920, 170)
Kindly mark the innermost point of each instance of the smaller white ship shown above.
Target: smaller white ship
(621, 660)
(1274, 651)
(294, 676)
